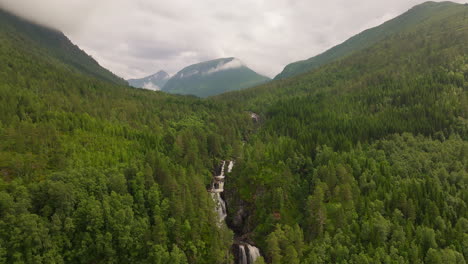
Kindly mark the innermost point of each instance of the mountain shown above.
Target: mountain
(403, 23)
(55, 44)
(355, 160)
(153, 82)
(213, 77)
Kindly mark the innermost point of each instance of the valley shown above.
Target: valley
(357, 155)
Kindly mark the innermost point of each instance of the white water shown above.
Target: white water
(242, 255)
(254, 116)
(254, 253)
(222, 168)
(217, 187)
(230, 166)
(220, 206)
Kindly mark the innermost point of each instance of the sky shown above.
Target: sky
(136, 38)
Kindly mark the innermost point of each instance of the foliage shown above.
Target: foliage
(92, 172)
(367, 156)
(403, 23)
(363, 160)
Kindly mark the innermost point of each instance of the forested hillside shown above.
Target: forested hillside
(363, 160)
(54, 44)
(92, 172)
(406, 22)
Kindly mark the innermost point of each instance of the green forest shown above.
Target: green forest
(362, 160)
(92, 172)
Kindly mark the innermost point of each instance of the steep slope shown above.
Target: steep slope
(419, 14)
(365, 159)
(213, 77)
(55, 44)
(153, 82)
(93, 172)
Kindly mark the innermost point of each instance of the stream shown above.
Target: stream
(246, 253)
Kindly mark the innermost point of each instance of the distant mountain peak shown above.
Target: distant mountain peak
(214, 77)
(210, 67)
(159, 76)
(153, 82)
(231, 63)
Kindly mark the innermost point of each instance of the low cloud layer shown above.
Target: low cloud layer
(151, 86)
(140, 37)
(235, 63)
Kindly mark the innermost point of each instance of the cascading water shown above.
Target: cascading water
(217, 187)
(230, 166)
(247, 253)
(220, 206)
(254, 253)
(242, 255)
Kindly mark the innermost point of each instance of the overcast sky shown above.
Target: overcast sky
(135, 38)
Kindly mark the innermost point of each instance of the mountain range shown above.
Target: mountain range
(213, 77)
(204, 79)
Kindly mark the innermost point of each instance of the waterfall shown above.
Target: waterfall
(220, 206)
(254, 253)
(245, 256)
(217, 187)
(242, 255)
(222, 168)
(230, 166)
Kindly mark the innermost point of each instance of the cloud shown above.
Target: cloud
(151, 86)
(140, 37)
(233, 64)
(187, 74)
(63, 15)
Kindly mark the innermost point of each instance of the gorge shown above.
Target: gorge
(244, 253)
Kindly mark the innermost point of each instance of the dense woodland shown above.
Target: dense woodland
(92, 172)
(364, 160)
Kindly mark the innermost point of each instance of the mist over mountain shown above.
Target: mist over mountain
(153, 82)
(213, 77)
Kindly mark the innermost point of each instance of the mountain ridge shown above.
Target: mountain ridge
(401, 23)
(213, 77)
(153, 82)
(55, 44)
